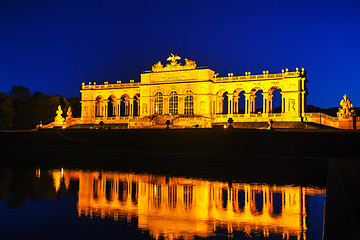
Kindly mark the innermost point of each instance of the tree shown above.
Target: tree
(7, 111)
(20, 93)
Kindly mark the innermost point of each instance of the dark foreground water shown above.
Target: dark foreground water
(82, 204)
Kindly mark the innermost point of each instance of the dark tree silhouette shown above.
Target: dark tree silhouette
(7, 111)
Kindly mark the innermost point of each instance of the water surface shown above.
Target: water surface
(73, 203)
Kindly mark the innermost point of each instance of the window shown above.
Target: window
(158, 104)
(173, 103)
(189, 103)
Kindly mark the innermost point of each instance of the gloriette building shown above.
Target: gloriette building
(189, 96)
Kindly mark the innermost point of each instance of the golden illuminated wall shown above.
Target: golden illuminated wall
(174, 207)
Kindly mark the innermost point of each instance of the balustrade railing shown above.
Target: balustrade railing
(254, 77)
(107, 86)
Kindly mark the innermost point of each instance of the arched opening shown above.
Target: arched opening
(239, 102)
(275, 100)
(224, 198)
(158, 103)
(124, 105)
(99, 106)
(189, 103)
(241, 199)
(111, 106)
(173, 103)
(259, 201)
(225, 103)
(256, 101)
(136, 105)
(277, 204)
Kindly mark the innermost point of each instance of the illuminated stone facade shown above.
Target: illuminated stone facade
(188, 96)
(175, 207)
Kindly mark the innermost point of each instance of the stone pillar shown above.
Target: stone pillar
(236, 104)
(151, 107)
(126, 112)
(165, 105)
(303, 103)
(265, 110)
(229, 103)
(252, 103)
(115, 108)
(138, 107)
(131, 106)
(270, 103)
(247, 103)
(181, 105)
(105, 110)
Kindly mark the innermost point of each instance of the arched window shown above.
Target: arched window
(189, 103)
(158, 104)
(173, 103)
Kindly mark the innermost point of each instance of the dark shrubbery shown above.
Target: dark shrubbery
(22, 110)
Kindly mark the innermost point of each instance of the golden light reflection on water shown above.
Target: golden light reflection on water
(175, 207)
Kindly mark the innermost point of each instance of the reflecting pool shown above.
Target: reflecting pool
(107, 204)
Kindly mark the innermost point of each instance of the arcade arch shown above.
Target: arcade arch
(99, 102)
(111, 106)
(275, 100)
(256, 100)
(239, 101)
(124, 105)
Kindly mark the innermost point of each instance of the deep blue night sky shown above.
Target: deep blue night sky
(54, 46)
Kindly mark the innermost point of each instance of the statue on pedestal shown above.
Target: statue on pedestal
(69, 114)
(59, 120)
(346, 111)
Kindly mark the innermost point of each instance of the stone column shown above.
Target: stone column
(252, 101)
(131, 106)
(265, 110)
(165, 105)
(126, 112)
(283, 104)
(303, 103)
(247, 103)
(181, 105)
(236, 104)
(229, 96)
(270, 103)
(138, 106)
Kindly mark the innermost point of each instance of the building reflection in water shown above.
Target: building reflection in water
(174, 207)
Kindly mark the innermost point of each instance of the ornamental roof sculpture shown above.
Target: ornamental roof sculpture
(346, 110)
(174, 65)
